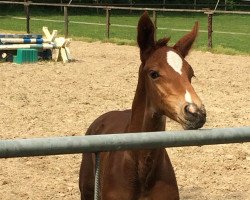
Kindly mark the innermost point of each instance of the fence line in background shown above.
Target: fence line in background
(128, 26)
(109, 8)
(120, 8)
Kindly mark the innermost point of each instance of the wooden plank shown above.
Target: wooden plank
(64, 55)
(46, 33)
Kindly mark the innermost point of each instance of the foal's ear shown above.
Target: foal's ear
(185, 43)
(145, 34)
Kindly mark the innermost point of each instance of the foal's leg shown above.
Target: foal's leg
(163, 191)
(86, 178)
(165, 186)
(119, 176)
(119, 193)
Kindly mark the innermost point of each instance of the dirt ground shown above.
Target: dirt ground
(55, 99)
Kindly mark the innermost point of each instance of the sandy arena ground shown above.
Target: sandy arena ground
(55, 99)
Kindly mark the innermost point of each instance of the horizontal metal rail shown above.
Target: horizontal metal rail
(121, 8)
(117, 142)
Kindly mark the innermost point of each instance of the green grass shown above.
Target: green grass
(222, 42)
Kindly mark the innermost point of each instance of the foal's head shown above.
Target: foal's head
(167, 76)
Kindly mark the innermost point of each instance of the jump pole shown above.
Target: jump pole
(24, 41)
(27, 46)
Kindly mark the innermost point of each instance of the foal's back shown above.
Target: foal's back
(110, 123)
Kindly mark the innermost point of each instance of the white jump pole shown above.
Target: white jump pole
(24, 40)
(27, 46)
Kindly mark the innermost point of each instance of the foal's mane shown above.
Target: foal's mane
(162, 42)
(155, 45)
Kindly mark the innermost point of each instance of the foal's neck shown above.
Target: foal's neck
(153, 121)
(144, 118)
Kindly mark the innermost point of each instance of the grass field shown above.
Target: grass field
(231, 32)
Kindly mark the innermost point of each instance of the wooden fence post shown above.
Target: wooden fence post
(164, 2)
(155, 23)
(27, 13)
(131, 4)
(97, 3)
(61, 6)
(66, 22)
(107, 23)
(209, 28)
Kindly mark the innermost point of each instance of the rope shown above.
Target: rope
(215, 8)
(97, 176)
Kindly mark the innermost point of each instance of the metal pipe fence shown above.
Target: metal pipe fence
(119, 142)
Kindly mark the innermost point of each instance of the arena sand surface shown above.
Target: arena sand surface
(55, 99)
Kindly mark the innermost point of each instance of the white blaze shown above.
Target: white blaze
(188, 97)
(175, 61)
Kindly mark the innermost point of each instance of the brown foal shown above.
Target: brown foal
(164, 89)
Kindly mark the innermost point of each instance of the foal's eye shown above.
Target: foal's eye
(154, 74)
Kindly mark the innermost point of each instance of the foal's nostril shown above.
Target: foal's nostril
(194, 116)
(191, 109)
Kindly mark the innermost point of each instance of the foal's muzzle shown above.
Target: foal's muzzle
(194, 117)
